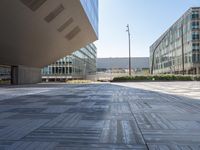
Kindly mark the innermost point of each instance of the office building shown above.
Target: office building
(35, 33)
(177, 51)
(78, 65)
(4, 74)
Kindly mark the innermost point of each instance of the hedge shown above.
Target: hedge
(197, 78)
(156, 78)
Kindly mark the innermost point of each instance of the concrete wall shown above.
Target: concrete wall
(25, 75)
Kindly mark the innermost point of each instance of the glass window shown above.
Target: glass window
(193, 57)
(91, 9)
(195, 36)
(195, 15)
(195, 25)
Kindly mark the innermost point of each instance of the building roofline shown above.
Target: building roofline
(120, 57)
(180, 18)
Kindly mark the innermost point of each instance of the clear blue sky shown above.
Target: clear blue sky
(148, 19)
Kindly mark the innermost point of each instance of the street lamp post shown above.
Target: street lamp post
(129, 38)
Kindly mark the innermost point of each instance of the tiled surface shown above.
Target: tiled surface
(98, 117)
(185, 88)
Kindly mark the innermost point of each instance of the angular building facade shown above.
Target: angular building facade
(75, 66)
(35, 33)
(4, 74)
(177, 51)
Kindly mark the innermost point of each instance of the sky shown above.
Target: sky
(148, 20)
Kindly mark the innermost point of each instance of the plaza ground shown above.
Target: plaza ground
(140, 116)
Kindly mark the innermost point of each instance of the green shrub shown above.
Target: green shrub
(197, 78)
(156, 78)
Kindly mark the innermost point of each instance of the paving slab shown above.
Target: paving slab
(100, 117)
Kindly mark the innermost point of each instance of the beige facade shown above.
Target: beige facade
(40, 32)
(36, 33)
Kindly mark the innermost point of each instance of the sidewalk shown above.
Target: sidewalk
(99, 117)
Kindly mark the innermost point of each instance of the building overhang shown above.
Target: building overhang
(39, 32)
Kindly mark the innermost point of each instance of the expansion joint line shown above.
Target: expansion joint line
(138, 125)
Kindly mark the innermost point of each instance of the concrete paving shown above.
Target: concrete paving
(181, 88)
(98, 117)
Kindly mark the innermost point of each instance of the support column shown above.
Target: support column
(25, 75)
(14, 75)
(194, 71)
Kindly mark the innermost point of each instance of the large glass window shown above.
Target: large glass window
(80, 62)
(91, 9)
(194, 58)
(195, 25)
(195, 47)
(195, 15)
(195, 36)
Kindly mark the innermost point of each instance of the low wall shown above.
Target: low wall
(25, 75)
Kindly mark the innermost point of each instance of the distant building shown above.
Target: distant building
(75, 66)
(5, 73)
(122, 64)
(178, 49)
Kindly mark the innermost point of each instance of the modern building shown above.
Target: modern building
(35, 33)
(122, 64)
(177, 51)
(78, 65)
(4, 74)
